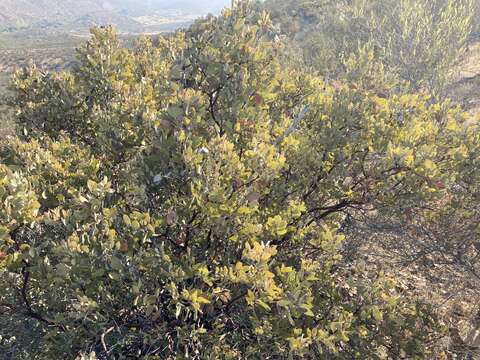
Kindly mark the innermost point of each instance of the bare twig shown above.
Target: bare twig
(294, 125)
(102, 338)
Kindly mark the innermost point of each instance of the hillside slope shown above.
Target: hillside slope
(465, 87)
(19, 13)
(128, 15)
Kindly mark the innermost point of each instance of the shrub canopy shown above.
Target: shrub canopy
(186, 198)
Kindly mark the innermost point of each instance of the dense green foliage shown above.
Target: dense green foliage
(188, 198)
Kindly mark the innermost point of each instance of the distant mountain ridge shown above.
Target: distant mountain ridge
(18, 13)
(128, 15)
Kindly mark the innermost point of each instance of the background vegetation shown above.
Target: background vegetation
(293, 185)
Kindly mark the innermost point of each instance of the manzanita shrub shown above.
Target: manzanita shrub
(184, 199)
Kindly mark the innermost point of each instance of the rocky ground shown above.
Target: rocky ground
(465, 87)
